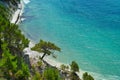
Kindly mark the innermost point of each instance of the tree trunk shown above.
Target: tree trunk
(43, 56)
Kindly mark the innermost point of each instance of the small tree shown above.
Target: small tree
(74, 66)
(86, 76)
(45, 47)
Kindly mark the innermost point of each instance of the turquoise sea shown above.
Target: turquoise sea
(87, 31)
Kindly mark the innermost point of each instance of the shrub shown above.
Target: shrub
(74, 66)
(51, 74)
(86, 76)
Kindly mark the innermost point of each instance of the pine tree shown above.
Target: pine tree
(45, 47)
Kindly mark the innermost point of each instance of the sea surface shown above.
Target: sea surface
(87, 31)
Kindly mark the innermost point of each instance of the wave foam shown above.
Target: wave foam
(26, 1)
(22, 19)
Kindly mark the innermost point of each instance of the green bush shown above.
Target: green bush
(51, 74)
(37, 76)
(74, 66)
(86, 76)
(9, 67)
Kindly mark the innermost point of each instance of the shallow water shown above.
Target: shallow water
(88, 31)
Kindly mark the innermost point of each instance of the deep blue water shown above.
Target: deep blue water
(88, 31)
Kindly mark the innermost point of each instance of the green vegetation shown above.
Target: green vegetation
(37, 76)
(74, 76)
(48, 74)
(39, 63)
(14, 38)
(51, 74)
(45, 47)
(12, 43)
(10, 34)
(4, 13)
(64, 67)
(86, 76)
(9, 68)
(74, 66)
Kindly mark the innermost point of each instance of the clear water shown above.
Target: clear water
(88, 31)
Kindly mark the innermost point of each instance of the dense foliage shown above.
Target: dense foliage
(86, 76)
(51, 74)
(9, 68)
(74, 66)
(12, 43)
(10, 34)
(37, 76)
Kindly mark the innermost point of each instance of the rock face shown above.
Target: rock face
(27, 60)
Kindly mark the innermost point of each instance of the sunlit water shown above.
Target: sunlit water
(87, 31)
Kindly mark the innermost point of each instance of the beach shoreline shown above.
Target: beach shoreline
(17, 15)
(16, 19)
(35, 55)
